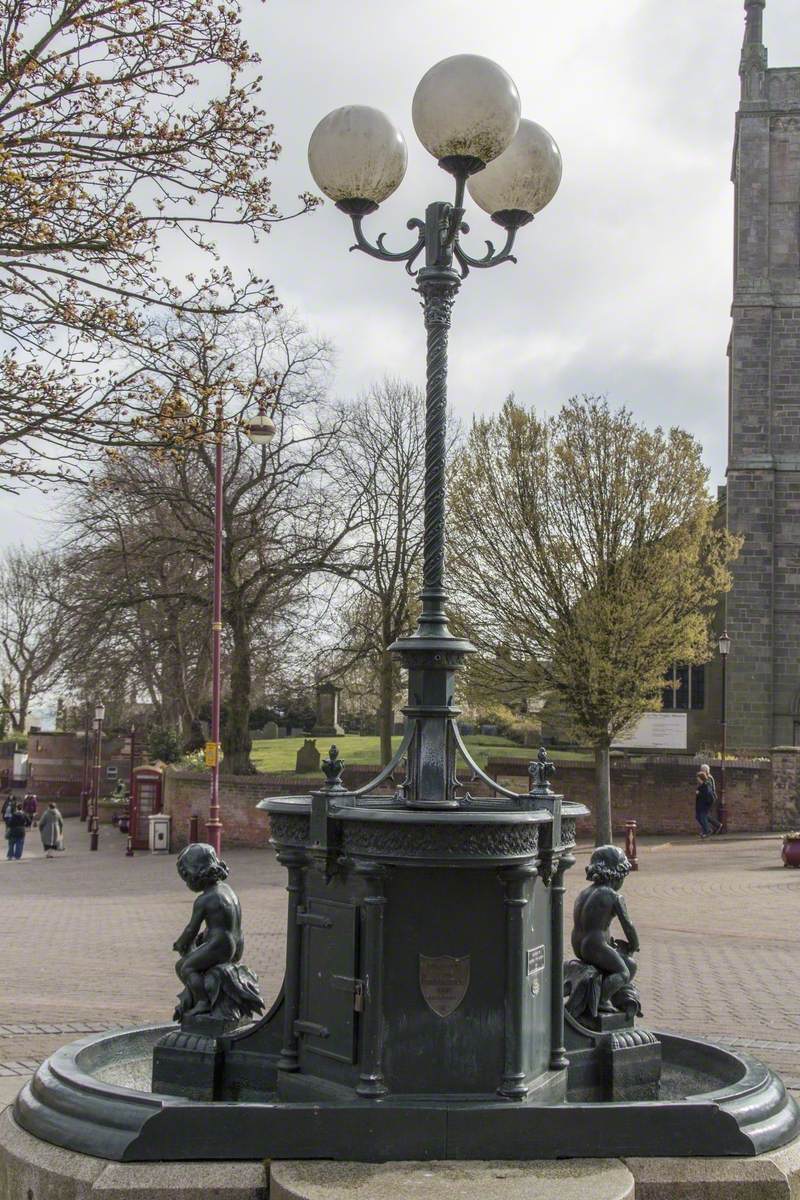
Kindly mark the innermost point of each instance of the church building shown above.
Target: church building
(763, 478)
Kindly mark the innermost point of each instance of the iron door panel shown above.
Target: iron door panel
(330, 958)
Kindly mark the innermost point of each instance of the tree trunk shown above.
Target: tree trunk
(386, 712)
(602, 813)
(236, 740)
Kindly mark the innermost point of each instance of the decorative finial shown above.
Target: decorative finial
(332, 767)
(540, 771)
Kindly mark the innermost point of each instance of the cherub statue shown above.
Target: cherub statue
(215, 984)
(600, 980)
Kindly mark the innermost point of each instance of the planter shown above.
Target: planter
(791, 852)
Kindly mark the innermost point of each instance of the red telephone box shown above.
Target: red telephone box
(146, 799)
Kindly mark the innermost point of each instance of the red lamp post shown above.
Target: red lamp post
(94, 823)
(85, 776)
(724, 651)
(261, 430)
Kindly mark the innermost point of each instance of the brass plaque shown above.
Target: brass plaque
(443, 982)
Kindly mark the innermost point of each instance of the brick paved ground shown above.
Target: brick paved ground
(86, 941)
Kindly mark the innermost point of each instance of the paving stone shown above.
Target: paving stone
(33, 1169)
(774, 1176)
(717, 922)
(182, 1181)
(576, 1180)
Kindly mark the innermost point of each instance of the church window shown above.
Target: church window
(685, 689)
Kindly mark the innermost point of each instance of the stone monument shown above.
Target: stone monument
(307, 760)
(328, 711)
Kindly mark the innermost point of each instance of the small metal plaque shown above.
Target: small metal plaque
(443, 982)
(536, 960)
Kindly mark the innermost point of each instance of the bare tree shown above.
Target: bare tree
(32, 630)
(382, 468)
(586, 561)
(121, 124)
(283, 518)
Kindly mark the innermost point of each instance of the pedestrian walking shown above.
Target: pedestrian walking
(17, 824)
(30, 806)
(51, 830)
(715, 819)
(704, 804)
(8, 804)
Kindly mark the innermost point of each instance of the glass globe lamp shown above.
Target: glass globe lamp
(260, 429)
(525, 177)
(357, 157)
(466, 111)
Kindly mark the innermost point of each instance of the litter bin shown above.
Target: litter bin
(159, 832)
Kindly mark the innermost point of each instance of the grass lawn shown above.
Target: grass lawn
(279, 755)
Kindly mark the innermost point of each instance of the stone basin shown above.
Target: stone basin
(94, 1097)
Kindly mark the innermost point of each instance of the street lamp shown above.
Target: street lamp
(724, 651)
(261, 430)
(94, 823)
(85, 784)
(466, 112)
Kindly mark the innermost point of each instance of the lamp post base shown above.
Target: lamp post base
(214, 835)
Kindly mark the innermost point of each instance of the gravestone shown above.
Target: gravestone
(270, 731)
(307, 762)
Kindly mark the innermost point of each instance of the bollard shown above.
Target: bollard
(630, 844)
(129, 847)
(194, 828)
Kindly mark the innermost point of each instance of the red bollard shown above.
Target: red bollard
(194, 828)
(630, 845)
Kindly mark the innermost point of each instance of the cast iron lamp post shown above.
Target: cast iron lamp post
(466, 112)
(94, 823)
(85, 789)
(724, 651)
(261, 430)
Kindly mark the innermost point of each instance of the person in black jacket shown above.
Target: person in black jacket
(17, 822)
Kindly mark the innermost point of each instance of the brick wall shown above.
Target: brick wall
(186, 793)
(658, 793)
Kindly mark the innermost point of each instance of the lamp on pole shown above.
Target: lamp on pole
(94, 823)
(466, 112)
(261, 430)
(724, 651)
(85, 789)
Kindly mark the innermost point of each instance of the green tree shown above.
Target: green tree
(164, 745)
(586, 560)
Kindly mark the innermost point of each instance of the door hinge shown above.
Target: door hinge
(316, 919)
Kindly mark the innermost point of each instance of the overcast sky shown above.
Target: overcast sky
(624, 282)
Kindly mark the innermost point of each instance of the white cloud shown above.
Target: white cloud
(623, 283)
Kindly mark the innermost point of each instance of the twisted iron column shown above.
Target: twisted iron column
(438, 288)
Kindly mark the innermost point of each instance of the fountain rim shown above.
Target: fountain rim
(66, 1106)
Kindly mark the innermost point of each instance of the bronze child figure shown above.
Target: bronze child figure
(601, 980)
(214, 984)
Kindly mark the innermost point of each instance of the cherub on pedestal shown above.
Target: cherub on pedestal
(216, 985)
(600, 980)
